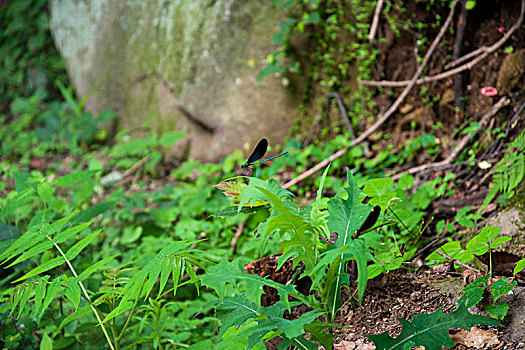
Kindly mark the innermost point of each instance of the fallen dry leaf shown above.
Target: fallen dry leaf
(476, 337)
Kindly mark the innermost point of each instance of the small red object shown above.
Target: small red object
(489, 91)
(501, 30)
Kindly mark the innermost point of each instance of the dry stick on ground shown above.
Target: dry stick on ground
(237, 236)
(344, 114)
(457, 262)
(375, 21)
(387, 114)
(464, 141)
(132, 170)
(201, 237)
(485, 51)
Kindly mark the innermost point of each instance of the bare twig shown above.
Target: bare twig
(457, 262)
(238, 235)
(387, 114)
(484, 52)
(375, 21)
(461, 144)
(201, 236)
(344, 115)
(458, 45)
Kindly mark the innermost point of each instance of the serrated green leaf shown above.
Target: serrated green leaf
(317, 330)
(229, 272)
(234, 211)
(287, 220)
(430, 330)
(346, 216)
(235, 311)
(251, 194)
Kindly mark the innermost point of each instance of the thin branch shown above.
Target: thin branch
(238, 235)
(375, 21)
(467, 66)
(461, 144)
(457, 262)
(387, 114)
(344, 114)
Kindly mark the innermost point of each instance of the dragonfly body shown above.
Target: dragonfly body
(258, 153)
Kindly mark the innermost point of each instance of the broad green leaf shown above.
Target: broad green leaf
(520, 266)
(430, 330)
(499, 241)
(377, 187)
(498, 311)
(346, 216)
(21, 181)
(171, 137)
(479, 244)
(453, 250)
(501, 287)
(46, 343)
(73, 178)
(45, 191)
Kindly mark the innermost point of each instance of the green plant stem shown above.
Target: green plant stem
(129, 316)
(85, 294)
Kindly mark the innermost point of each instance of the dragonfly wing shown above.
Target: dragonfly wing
(259, 151)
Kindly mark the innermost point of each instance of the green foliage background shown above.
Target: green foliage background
(93, 254)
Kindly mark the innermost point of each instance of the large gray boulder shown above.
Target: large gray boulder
(178, 65)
